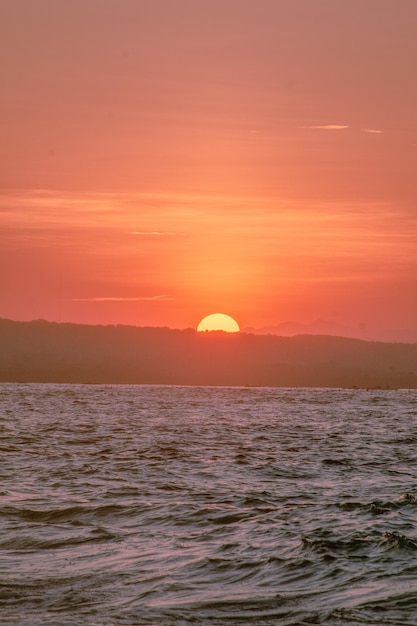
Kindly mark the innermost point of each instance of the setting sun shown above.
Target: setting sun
(218, 321)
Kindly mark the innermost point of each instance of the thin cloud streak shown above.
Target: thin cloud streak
(372, 131)
(326, 127)
(154, 233)
(161, 298)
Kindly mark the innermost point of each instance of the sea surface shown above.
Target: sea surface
(149, 505)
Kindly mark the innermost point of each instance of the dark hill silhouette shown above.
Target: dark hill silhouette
(41, 351)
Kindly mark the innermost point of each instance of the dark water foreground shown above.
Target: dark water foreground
(187, 505)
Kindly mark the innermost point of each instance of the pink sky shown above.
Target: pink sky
(166, 159)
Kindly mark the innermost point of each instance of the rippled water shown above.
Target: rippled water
(177, 505)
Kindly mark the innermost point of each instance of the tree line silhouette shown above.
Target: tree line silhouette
(41, 351)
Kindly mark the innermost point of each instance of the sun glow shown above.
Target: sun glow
(218, 321)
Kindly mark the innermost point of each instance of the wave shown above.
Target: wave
(400, 541)
(380, 507)
(32, 543)
(71, 514)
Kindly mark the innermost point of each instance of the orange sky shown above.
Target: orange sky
(166, 159)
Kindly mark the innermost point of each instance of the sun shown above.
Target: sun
(219, 321)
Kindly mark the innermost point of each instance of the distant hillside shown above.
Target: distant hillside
(42, 351)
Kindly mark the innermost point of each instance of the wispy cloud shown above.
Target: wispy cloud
(372, 131)
(153, 233)
(162, 297)
(326, 127)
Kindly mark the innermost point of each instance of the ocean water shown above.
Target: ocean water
(146, 505)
